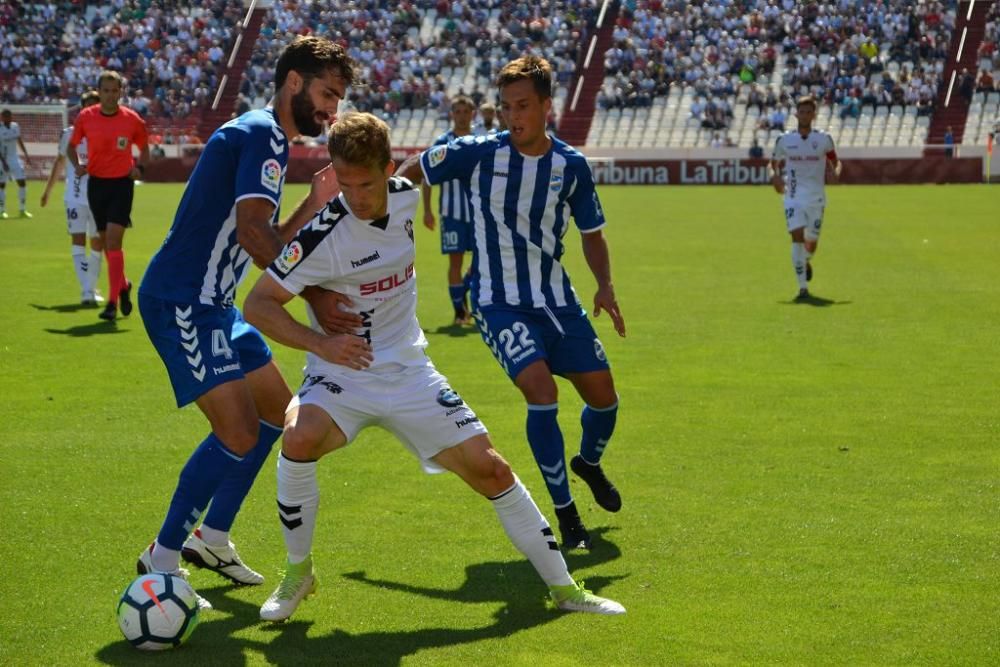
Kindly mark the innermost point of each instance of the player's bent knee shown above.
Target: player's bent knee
(239, 440)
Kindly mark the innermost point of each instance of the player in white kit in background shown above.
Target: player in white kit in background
(79, 220)
(810, 160)
(10, 164)
(361, 244)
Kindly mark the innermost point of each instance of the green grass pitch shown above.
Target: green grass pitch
(804, 484)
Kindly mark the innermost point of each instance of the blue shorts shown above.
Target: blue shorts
(456, 236)
(202, 346)
(564, 338)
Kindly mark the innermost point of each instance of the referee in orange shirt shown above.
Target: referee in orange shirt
(111, 130)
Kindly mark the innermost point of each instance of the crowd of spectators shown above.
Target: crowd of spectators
(847, 53)
(170, 53)
(405, 66)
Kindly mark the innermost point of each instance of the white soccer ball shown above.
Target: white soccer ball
(158, 611)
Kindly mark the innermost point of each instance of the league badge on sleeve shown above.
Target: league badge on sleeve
(270, 175)
(436, 155)
(289, 257)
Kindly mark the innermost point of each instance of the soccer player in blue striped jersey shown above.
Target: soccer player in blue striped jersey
(524, 186)
(454, 208)
(226, 218)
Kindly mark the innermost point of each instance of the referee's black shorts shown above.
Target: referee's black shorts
(110, 200)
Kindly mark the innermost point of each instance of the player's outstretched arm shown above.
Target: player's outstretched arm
(74, 160)
(326, 307)
(323, 188)
(425, 191)
(410, 169)
(833, 168)
(264, 308)
(53, 175)
(595, 250)
(254, 232)
(27, 160)
(776, 180)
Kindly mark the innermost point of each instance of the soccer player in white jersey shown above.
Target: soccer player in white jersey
(79, 219)
(809, 160)
(10, 164)
(456, 219)
(524, 186)
(361, 244)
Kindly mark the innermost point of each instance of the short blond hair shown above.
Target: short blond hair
(528, 68)
(360, 139)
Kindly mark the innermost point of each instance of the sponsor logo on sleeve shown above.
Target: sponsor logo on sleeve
(289, 257)
(270, 175)
(436, 155)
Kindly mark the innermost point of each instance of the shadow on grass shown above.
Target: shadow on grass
(453, 331)
(815, 301)
(65, 307)
(513, 583)
(84, 330)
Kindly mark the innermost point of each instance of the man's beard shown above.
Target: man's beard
(304, 115)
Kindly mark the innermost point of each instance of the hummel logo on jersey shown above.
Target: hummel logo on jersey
(365, 260)
(465, 422)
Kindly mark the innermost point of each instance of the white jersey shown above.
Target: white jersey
(371, 261)
(805, 165)
(8, 143)
(76, 186)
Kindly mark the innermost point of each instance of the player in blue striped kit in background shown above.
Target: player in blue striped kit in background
(455, 211)
(524, 186)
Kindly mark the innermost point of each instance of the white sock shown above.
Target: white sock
(22, 196)
(531, 534)
(93, 270)
(298, 502)
(213, 537)
(799, 262)
(80, 265)
(164, 559)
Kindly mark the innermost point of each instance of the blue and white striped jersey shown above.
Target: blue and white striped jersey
(520, 209)
(200, 260)
(453, 201)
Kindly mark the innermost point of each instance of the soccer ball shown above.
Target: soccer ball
(158, 611)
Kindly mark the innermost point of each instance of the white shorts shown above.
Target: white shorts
(416, 405)
(810, 217)
(14, 172)
(79, 220)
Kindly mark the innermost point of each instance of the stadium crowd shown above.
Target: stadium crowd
(846, 53)
(406, 63)
(170, 52)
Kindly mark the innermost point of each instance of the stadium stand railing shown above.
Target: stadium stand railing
(955, 97)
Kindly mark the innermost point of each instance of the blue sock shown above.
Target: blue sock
(227, 500)
(457, 295)
(546, 442)
(598, 425)
(210, 464)
(467, 281)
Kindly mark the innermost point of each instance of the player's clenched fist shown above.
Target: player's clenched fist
(346, 350)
